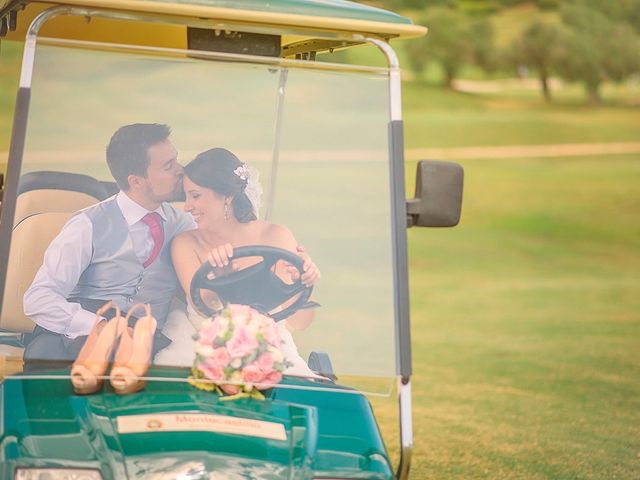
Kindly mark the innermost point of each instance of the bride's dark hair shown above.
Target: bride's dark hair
(221, 171)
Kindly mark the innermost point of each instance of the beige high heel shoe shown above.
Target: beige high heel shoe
(134, 353)
(93, 360)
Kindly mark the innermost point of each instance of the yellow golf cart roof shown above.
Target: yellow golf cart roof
(296, 20)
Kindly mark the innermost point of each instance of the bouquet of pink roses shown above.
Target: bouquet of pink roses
(238, 353)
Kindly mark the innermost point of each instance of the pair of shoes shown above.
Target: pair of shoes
(134, 353)
(132, 357)
(93, 360)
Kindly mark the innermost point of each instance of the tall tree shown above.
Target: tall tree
(539, 47)
(447, 41)
(481, 38)
(619, 11)
(625, 44)
(595, 49)
(417, 56)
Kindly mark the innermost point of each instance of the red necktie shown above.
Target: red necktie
(154, 222)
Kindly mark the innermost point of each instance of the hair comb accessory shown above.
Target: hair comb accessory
(243, 172)
(253, 189)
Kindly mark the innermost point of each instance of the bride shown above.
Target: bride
(218, 187)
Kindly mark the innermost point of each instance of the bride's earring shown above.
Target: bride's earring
(226, 212)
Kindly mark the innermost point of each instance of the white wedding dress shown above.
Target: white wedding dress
(181, 327)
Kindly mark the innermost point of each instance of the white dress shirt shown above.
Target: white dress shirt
(68, 255)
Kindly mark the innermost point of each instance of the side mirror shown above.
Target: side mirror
(438, 198)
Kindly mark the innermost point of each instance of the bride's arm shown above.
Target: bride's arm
(185, 261)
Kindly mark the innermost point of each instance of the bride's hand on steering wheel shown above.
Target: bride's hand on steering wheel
(220, 259)
(273, 291)
(311, 274)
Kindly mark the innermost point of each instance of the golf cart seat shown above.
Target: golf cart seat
(45, 191)
(31, 237)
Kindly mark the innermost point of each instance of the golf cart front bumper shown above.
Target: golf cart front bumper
(171, 430)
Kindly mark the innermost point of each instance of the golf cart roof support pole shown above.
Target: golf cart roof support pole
(18, 137)
(277, 134)
(399, 246)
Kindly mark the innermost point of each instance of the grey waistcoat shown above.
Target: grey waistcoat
(116, 274)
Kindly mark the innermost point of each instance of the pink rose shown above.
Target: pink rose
(273, 377)
(265, 362)
(221, 357)
(269, 380)
(252, 374)
(230, 389)
(271, 335)
(209, 332)
(211, 370)
(241, 343)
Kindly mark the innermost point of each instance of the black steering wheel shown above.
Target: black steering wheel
(257, 286)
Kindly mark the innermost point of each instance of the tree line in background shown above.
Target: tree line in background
(594, 40)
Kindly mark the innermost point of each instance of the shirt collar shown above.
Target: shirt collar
(132, 211)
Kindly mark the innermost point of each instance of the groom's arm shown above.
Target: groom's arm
(45, 301)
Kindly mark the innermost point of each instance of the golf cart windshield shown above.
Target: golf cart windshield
(316, 133)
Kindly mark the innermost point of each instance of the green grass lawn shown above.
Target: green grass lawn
(435, 117)
(526, 317)
(525, 323)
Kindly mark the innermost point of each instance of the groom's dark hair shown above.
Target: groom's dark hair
(127, 150)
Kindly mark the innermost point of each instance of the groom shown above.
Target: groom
(118, 249)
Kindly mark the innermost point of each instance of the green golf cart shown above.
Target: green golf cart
(276, 83)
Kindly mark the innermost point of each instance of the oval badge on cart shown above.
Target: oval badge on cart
(200, 422)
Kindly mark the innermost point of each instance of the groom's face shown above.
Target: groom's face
(164, 173)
